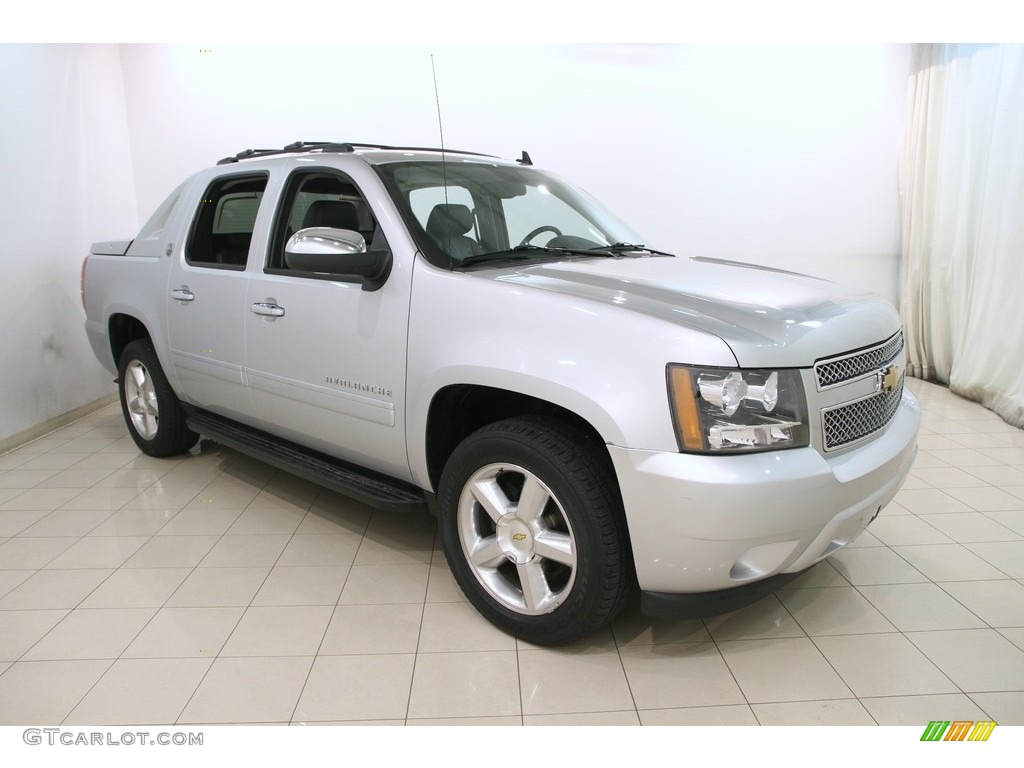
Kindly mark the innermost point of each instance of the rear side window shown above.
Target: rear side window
(223, 226)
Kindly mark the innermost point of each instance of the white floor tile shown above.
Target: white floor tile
(322, 549)
(585, 718)
(920, 710)
(838, 712)
(985, 499)
(20, 630)
(560, 682)
(91, 634)
(139, 578)
(385, 584)
(140, 692)
(219, 587)
(1006, 556)
(907, 530)
(465, 685)
(977, 660)
(14, 522)
(883, 665)
(185, 633)
(247, 551)
(98, 552)
(45, 692)
(875, 565)
(736, 714)
(279, 631)
(833, 611)
(633, 628)
(948, 562)
(249, 690)
(918, 607)
(766, 618)
(136, 588)
(377, 687)
(302, 585)
(1005, 708)
(998, 603)
(679, 675)
(458, 627)
(172, 552)
(356, 629)
(54, 589)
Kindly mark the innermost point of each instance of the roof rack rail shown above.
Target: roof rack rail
(332, 146)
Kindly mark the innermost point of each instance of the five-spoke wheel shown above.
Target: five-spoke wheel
(151, 410)
(517, 539)
(532, 526)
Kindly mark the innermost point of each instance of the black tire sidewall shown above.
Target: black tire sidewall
(579, 482)
(173, 435)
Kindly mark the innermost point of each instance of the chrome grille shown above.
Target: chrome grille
(845, 424)
(832, 372)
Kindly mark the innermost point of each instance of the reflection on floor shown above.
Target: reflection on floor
(214, 589)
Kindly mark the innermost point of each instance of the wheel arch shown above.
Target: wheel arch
(458, 410)
(122, 330)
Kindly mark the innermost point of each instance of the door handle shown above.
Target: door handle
(268, 309)
(182, 294)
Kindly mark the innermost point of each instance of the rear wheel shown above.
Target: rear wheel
(155, 418)
(533, 530)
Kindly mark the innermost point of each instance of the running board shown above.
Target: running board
(371, 488)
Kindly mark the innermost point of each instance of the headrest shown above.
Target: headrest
(449, 219)
(331, 213)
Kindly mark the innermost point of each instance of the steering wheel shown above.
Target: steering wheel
(538, 230)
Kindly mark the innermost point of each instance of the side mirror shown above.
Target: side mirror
(339, 253)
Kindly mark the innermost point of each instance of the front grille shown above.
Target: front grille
(832, 372)
(845, 424)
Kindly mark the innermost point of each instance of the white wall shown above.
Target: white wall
(781, 155)
(67, 182)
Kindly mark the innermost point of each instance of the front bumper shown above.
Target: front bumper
(702, 524)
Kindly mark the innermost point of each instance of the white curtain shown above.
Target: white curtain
(962, 215)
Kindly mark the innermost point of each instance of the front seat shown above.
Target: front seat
(338, 214)
(448, 224)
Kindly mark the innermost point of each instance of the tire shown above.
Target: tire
(562, 569)
(155, 418)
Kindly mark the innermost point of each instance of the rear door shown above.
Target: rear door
(206, 289)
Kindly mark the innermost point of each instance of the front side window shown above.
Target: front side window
(320, 199)
(223, 226)
(464, 212)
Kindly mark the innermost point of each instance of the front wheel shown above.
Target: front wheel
(151, 410)
(532, 526)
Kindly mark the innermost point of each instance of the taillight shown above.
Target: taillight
(81, 282)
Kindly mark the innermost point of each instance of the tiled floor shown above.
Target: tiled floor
(213, 589)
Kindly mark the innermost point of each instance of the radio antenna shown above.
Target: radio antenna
(444, 164)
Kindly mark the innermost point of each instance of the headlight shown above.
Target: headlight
(724, 410)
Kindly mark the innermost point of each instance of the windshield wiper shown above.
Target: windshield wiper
(526, 251)
(629, 248)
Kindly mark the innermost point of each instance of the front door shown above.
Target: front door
(325, 360)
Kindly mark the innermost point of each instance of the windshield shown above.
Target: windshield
(464, 210)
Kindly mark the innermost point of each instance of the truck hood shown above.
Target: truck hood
(768, 317)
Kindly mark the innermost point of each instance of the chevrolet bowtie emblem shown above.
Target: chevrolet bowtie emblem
(518, 536)
(888, 378)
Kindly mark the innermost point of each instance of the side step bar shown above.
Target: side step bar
(371, 488)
